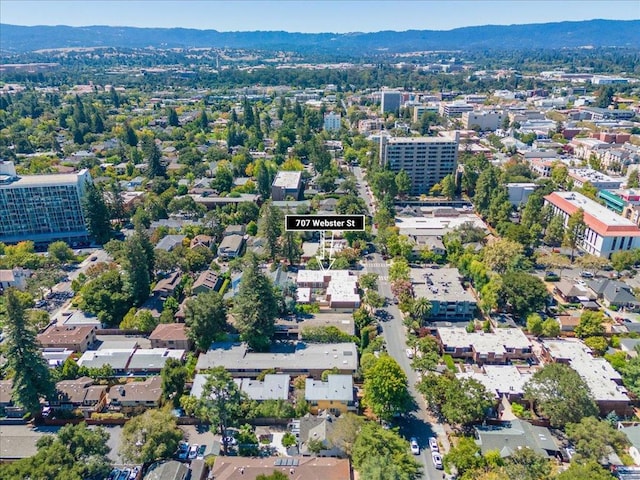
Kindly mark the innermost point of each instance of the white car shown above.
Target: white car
(437, 460)
(193, 451)
(409, 353)
(433, 444)
(415, 448)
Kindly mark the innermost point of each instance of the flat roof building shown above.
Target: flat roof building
(427, 160)
(499, 347)
(293, 359)
(273, 387)
(599, 180)
(390, 101)
(286, 184)
(606, 231)
(443, 288)
(42, 208)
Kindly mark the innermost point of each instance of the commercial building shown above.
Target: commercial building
(606, 232)
(336, 289)
(604, 382)
(419, 110)
(484, 120)
(443, 288)
(332, 121)
(427, 160)
(390, 101)
(599, 180)
(42, 208)
(454, 109)
(519, 192)
(286, 184)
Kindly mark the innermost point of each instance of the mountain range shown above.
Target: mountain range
(590, 33)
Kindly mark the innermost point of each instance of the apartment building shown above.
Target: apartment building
(42, 208)
(332, 121)
(484, 120)
(454, 109)
(443, 288)
(286, 184)
(499, 347)
(390, 101)
(606, 231)
(427, 160)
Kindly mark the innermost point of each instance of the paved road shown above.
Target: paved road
(418, 423)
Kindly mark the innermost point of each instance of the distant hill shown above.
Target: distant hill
(595, 33)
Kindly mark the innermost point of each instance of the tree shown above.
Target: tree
(580, 471)
(560, 394)
(107, 297)
(526, 464)
(501, 254)
(485, 188)
(96, 214)
(421, 310)
(60, 252)
(555, 231)
(368, 281)
(522, 292)
(399, 270)
(255, 307)
(345, 432)
(374, 441)
(554, 260)
(591, 262)
(31, 375)
(172, 117)
(152, 153)
(590, 324)
(448, 187)
(534, 324)
(152, 436)
(403, 182)
(291, 247)
(465, 456)
(220, 402)
(623, 260)
(382, 468)
(174, 376)
(633, 180)
(141, 320)
(76, 452)
(136, 264)
(574, 232)
(206, 318)
(427, 354)
(270, 226)
(466, 401)
(385, 388)
(595, 439)
(550, 328)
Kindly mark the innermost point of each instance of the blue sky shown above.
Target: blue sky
(310, 15)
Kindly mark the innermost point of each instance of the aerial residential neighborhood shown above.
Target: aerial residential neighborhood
(187, 289)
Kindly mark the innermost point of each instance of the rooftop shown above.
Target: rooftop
(274, 386)
(441, 284)
(500, 379)
(65, 335)
(116, 357)
(598, 217)
(336, 388)
(54, 179)
(433, 225)
(508, 437)
(598, 374)
(169, 331)
(295, 468)
(593, 176)
(286, 179)
(301, 356)
(148, 391)
(153, 358)
(481, 342)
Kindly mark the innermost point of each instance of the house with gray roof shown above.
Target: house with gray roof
(318, 428)
(167, 470)
(273, 387)
(614, 293)
(169, 242)
(335, 395)
(509, 437)
(231, 246)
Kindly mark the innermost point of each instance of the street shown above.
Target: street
(418, 423)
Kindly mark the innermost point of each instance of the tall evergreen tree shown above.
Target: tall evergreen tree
(172, 117)
(291, 249)
(96, 214)
(271, 227)
(255, 307)
(152, 154)
(206, 317)
(136, 265)
(31, 378)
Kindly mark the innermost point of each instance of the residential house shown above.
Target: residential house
(80, 394)
(233, 230)
(296, 468)
(633, 435)
(7, 405)
(201, 241)
(318, 428)
(14, 278)
(76, 338)
(152, 360)
(117, 358)
(571, 292)
(614, 294)
(231, 246)
(167, 470)
(171, 336)
(273, 387)
(208, 281)
(499, 347)
(169, 242)
(293, 359)
(501, 380)
(336, 395)
(509, 437)
(136, 396)
(56, 356)
(167, 286)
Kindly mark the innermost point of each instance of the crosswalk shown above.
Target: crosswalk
(378, 264)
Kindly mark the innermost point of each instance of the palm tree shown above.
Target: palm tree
(421, 310)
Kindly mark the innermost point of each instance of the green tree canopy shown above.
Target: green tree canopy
(206, 318)
(560, 394)
(385, 388)
(595, 439)
(522, 293)
(174, 376)
(151, 436)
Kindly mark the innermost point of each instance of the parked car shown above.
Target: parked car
(193, 451)
(134, 473)
(201, 450)
(586, 274)
(433, 444)
(409, 353)
(124, 474)
(232, 441)
(551, 277)
(437, 460)
(93, 258)
(415, 448)
(115, 473)
(183, 450)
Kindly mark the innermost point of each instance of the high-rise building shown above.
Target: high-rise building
(390, 101)
(42, 208)
(427, 160)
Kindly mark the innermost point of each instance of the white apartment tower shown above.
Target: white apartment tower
(332, 121)
(42, 208)
(427, 160)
